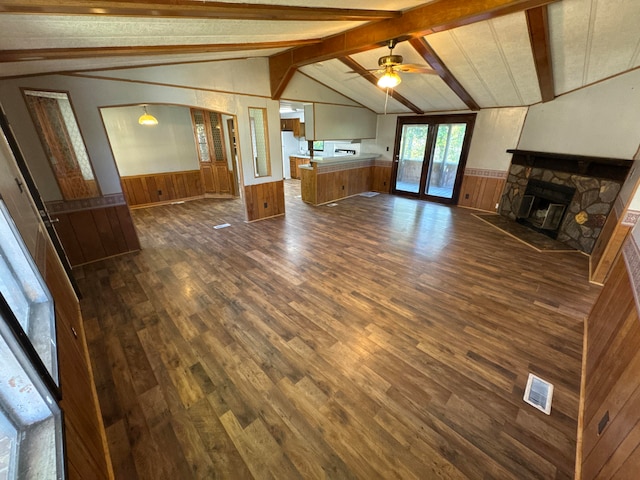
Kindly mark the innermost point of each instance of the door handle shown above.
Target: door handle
(46, 218)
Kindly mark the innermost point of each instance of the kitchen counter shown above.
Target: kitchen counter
(326, 179)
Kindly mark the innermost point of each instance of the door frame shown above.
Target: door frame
(432, 120)
(37, 200)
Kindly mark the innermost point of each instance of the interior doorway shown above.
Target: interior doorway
(430, 156)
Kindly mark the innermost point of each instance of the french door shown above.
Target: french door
(430, 155)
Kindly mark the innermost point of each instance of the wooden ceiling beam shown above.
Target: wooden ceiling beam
(421, 46)
(538, 24)
(192, 9)
(371, 78)
(36, 54)
(417, 22)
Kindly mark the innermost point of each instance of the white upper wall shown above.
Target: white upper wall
(143, 149)
(496, 131)
(602, 120)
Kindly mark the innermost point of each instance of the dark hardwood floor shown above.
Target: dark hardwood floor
(381, 338)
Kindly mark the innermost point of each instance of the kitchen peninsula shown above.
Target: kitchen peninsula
(326, 179)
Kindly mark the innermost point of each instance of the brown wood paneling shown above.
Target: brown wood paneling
(87, 455)
(222, 175)
(482, 193)
(256, 196)
(90, 235)
(344, 183)
(103, 227)
(381, 179)
(607, 247)
(142, 190)
(67, 235)
(612, 382)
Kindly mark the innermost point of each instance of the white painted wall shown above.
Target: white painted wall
(496, 131)
(143, 149)
(602, 120)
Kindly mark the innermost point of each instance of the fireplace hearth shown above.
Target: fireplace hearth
(566, 197)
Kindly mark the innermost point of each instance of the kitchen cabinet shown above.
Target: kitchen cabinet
(294, 164)
(293, 125)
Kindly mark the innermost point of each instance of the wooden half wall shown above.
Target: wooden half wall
(93, 229)
(157, 188)
(610, 410)
(482, 189)
(264, 200)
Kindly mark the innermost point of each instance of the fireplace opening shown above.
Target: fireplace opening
(543, 206)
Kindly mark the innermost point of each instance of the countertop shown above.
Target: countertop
(344, 158)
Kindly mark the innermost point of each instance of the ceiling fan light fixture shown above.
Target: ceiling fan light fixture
(390, 79)
(146, 119)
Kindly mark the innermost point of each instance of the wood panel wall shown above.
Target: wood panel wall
(143, 190)
(90, 235)
(264, 200)
(612, 383)
(381, 179)
(607, 247)
(86, 446)
(482, 193)
(343, 183)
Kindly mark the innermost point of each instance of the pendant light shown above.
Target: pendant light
(146, 119)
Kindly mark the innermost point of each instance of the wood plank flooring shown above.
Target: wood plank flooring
(381, 338)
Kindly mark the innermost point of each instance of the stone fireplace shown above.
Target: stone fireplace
(566, 197)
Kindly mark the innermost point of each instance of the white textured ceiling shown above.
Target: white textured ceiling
(492, 60)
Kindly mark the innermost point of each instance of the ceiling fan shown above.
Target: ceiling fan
(390, 65)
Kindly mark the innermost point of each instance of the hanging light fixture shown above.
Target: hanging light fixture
(390, 79)
(146, 119)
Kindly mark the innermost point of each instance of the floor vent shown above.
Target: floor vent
(223, 225)
(332, 204)
(539, 393)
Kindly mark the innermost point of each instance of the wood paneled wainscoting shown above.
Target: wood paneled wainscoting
(482, 188)
(324, 183)
(381, 176)
(264, 200)
(86, 444)
(93, 229)
(611, 378)
(158, 188)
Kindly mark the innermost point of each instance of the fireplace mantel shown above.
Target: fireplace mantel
(600, 167)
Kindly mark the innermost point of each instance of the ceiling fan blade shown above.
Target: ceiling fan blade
(410, 68)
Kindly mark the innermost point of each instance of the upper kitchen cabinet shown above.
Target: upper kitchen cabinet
(338, 122)
(292, 125)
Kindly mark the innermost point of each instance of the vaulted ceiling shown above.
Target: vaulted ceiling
(485, 53)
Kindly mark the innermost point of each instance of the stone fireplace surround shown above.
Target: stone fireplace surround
(597, 182)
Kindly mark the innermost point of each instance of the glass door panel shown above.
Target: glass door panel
(430, 154)
(26, 293)
(412, 146)
(445, 160)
